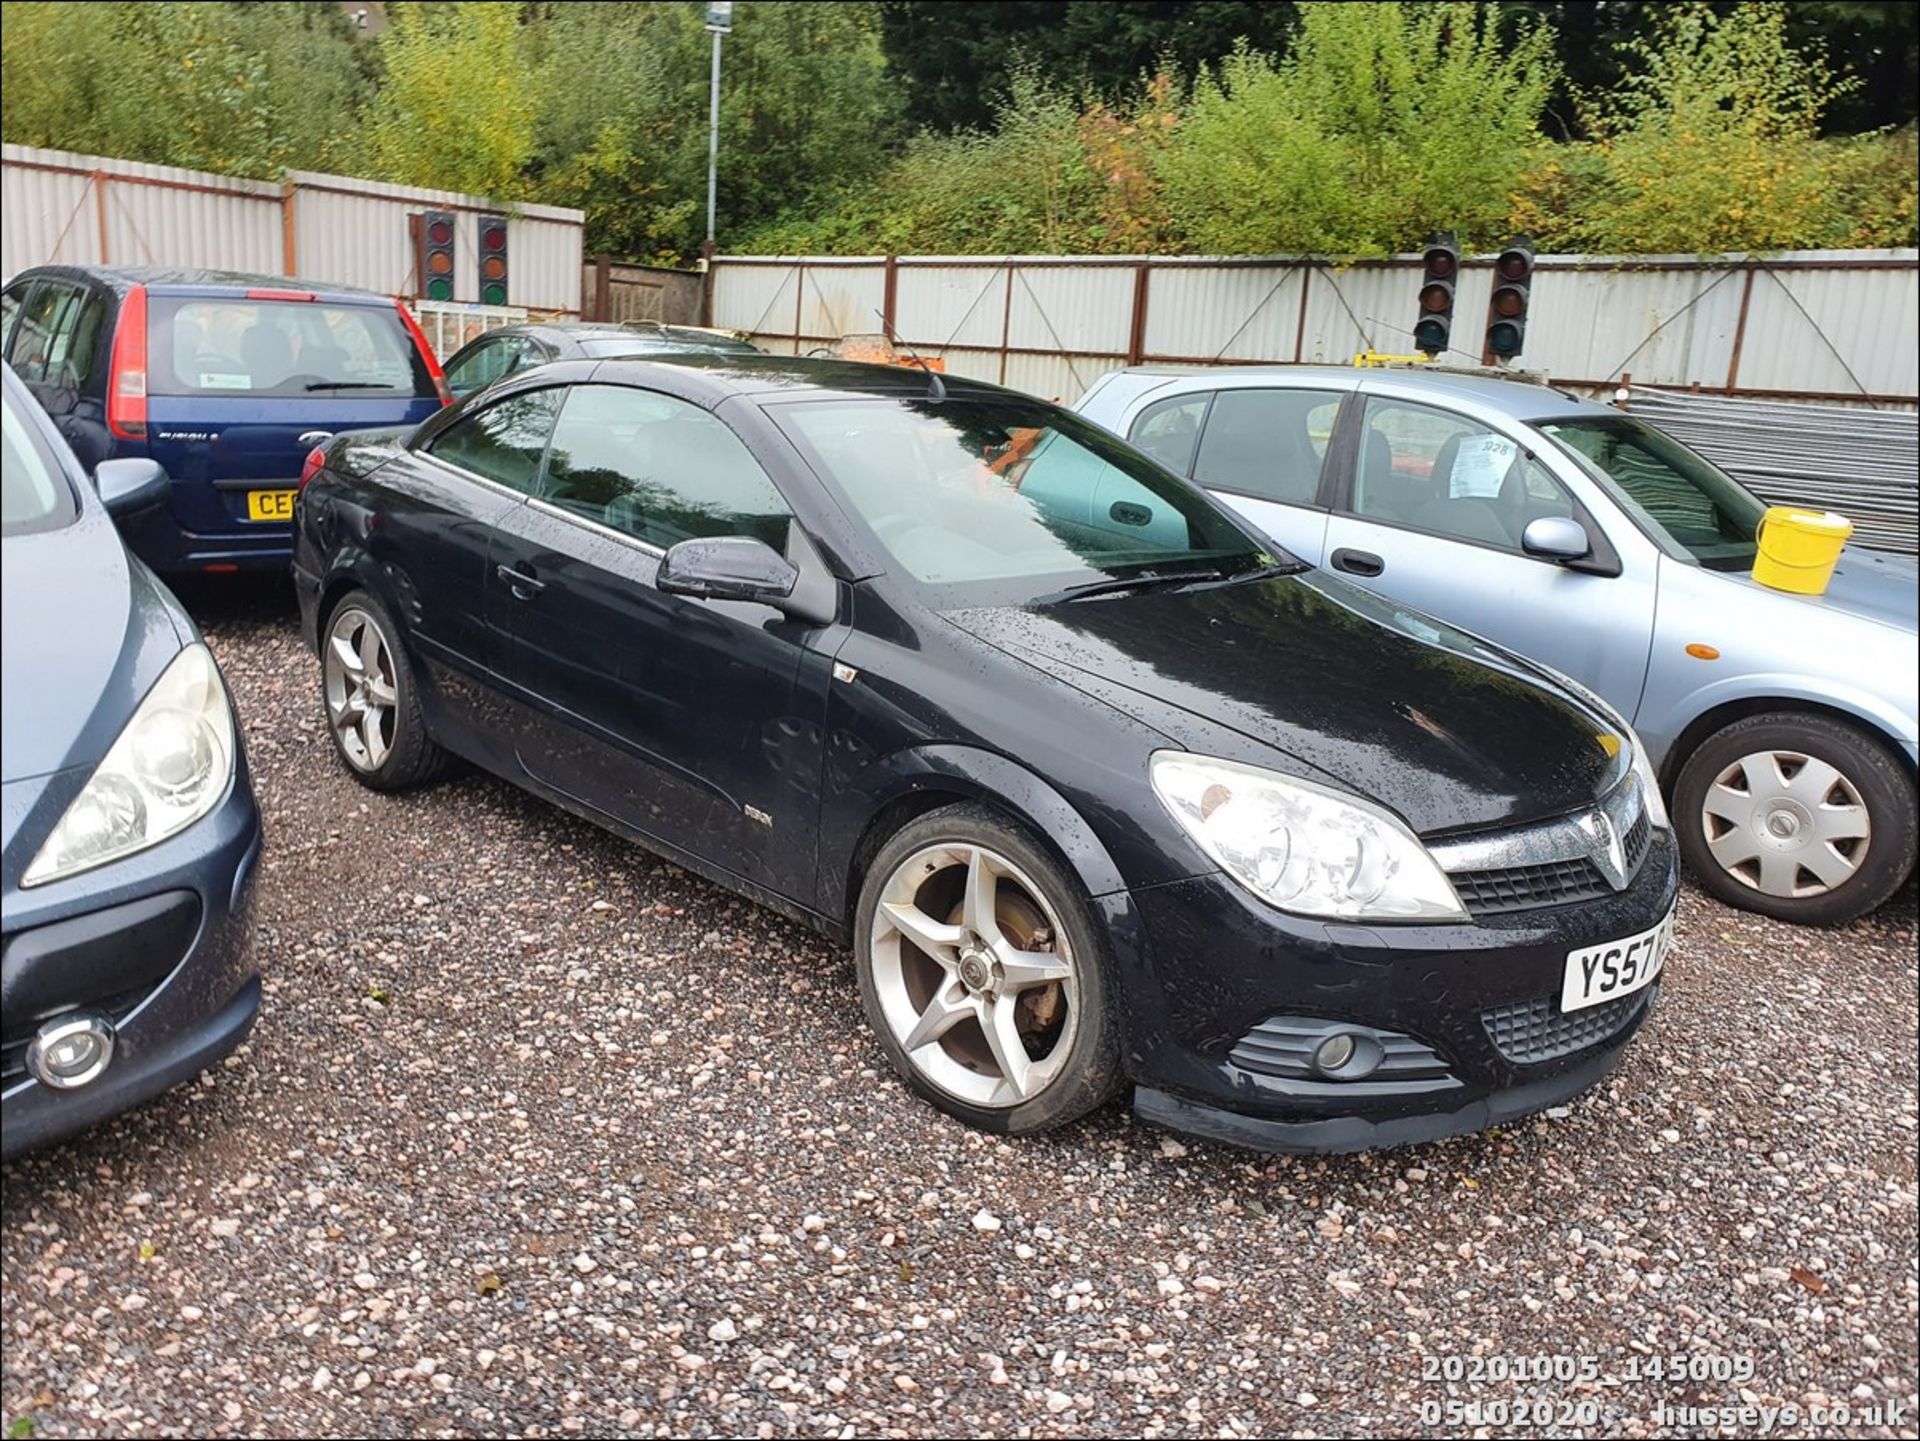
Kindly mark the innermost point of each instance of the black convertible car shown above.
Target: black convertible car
(1099, 785)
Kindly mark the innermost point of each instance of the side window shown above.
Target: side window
(45, 331)
(13, 299)
(1269, 444)
(1434, 471)
(486, 363)
(1168, 429)
(504, 441)
(658, 469)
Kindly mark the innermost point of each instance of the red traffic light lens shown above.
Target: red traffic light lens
(1440, 264)
(440, 233)
(494, 237)
(1513, 265)
(1509, 300)
(1437, 298)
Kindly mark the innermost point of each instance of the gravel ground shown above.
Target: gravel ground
(538, 1135)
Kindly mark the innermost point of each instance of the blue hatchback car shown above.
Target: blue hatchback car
(130, 829)
(228, 381)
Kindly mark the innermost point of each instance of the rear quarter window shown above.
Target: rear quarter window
(240, 346)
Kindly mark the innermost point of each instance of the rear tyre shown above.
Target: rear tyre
(1800, 817)
(984, 974)
(371, 700)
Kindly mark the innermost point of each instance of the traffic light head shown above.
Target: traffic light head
(1507, 317)
(1440, 273)
(493, 260)
(436, 254)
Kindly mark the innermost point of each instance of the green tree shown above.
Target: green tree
(1384, 121)
(1711, 143)
(455, 109)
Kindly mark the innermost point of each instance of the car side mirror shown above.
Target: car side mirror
(126, 486)
(728, 567)
(1558, 538)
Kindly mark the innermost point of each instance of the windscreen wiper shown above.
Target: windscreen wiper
(1169, 579)
(348, 385)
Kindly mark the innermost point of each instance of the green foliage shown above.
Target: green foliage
(455, 109)
(1383, 121)
(240, 89)
(1115, 126)
(1712, 143)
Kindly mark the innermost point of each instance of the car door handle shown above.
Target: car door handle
(524, 587)
(1358, 562)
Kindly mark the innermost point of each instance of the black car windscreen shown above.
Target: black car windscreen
(240, 345)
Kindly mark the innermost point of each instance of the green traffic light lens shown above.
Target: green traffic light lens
(494, 295)
(1431, 336)
(439, 290)
(1504, 338)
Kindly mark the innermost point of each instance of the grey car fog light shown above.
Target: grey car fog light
(71, 1050)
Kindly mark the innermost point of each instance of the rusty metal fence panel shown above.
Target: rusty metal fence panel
(1836, 326)
(56, 206)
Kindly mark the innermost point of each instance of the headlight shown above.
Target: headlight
(169, 767)
(1302, 847)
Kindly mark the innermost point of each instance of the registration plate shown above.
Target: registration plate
(1615, 968)
(270, 505)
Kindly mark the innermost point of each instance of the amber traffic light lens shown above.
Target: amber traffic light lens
(1436, 298)
(440, 262)
(1509, 301)
(493, 267)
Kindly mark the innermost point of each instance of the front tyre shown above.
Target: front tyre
(984, 975)
(1800, 817)
(371, 699)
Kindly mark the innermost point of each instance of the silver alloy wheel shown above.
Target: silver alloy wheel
(361, 697)
(975, 975)
(1787, 824)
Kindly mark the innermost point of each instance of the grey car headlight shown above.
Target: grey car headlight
(168, 768)
(1302, 847)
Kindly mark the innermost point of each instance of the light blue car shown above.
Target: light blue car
(1784, 726)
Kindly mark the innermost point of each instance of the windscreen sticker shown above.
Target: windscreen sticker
(215, 380)
(1480, 466)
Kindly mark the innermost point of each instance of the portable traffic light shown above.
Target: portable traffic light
(1507, 312)
(493, 260)
(436, 254)
(1442, 273)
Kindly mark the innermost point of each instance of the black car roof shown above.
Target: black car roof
(123, 277)
(764, 374)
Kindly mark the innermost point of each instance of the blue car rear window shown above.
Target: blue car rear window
(239, 346)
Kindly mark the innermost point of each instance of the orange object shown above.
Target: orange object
(1703, 652)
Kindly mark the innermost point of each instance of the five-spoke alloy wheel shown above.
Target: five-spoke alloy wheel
(982, 973)
(372, 703)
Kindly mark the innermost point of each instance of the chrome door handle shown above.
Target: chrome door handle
(524, 587)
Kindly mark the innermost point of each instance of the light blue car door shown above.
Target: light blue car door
(1260, 451)
(1431, 513)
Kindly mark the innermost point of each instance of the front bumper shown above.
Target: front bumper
(1221, 985)
(162, 942)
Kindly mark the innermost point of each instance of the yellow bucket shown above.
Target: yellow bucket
(1798, 548)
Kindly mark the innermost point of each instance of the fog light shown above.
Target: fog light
(1334, 1052)
(1348, 1056)
(70, 1050)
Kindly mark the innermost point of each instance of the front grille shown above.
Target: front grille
(1528, 1032)
(1523, 888)
(1639, 837)
(1283, 1046)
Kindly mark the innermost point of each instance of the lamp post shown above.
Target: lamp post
(719, 22)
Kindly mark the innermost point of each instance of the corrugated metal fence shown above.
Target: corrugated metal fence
(89, 210)
(1864, 464)
(1838, 326)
